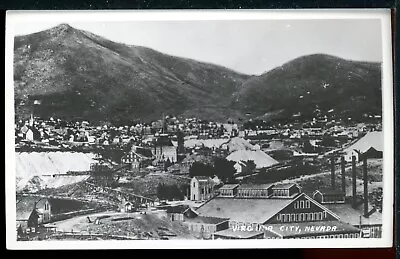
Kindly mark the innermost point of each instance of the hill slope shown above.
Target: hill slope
(77, 74)
(315, 81)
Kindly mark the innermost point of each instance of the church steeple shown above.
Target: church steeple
(31, 120)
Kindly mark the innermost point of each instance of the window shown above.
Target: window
(296, 205)
(311, 216)
(194, 184)
(308, 205)
(301, 204)
(302, 217)
(321, 216)
(346, 235)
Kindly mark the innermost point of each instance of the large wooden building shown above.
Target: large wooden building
(279, 211)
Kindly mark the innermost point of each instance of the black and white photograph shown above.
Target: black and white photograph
(199, 129)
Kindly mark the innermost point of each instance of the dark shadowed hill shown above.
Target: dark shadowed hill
(320, 81)
(77, 74)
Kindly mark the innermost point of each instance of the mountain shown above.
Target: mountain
(77, 74)
(307, 83)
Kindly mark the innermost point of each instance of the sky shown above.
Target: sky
(246, 46)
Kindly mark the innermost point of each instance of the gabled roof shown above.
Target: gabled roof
(202, 178)
(260, 158)
(329, 192)
(229, 186)
(373, 139)
(256, 186)
(177, 209)
(25, 205)
(252, 210)
(353, 216)
(207, 220)
(283, 185)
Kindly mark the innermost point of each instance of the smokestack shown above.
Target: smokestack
(365, 179)
(333, 173)
(353, 181)
(343, 167)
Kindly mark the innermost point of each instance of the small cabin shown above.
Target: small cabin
(329, 196)
(289, 190)
(228, 190)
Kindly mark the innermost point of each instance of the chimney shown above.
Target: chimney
(354, 181)
(365, 179)
(333, 173)
(343, 167)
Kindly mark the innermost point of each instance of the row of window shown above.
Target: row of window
(302, 204)
(351, 235)
(300, 217)
(252, 193)
(279, 192)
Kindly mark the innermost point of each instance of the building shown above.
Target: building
(329, 196)
(228, 190)
(32, 212)
(164, 149)
(273, 209)
(206, 226)
(137, 157)
(261, 159)
(180, 213)
(370, 146)
(201, 188)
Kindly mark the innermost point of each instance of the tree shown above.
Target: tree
(250, 166)
(161, 194)
(224, 169)
(200, 169)
(181, 141)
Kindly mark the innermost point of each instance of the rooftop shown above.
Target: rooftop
(354, 216)
(207, 220)
(254, 210)
(229, 186)
(283, 185)
(256, 186)
(330, 192)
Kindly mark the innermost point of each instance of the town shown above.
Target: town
(188, 178)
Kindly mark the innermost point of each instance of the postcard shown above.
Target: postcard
(199, 129)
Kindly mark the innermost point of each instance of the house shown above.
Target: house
(201, 188)
(228, 190)
(371, 146)
(137, 157)
(206, 225)
(329, 196)
(31, 212)
(288, 190)
(180, 213)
